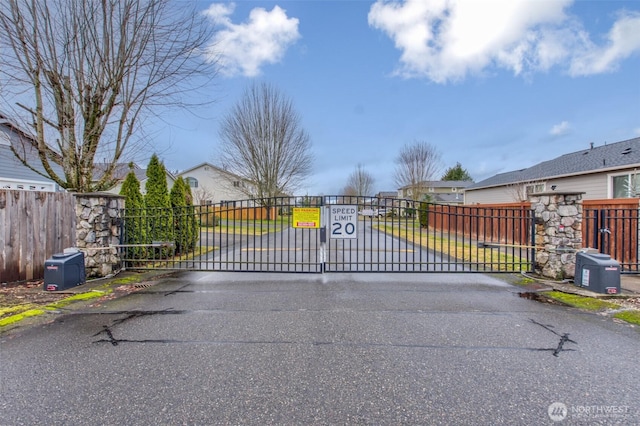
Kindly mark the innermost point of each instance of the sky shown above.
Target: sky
(495, 85)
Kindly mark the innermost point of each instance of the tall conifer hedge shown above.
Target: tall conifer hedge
(134, 226)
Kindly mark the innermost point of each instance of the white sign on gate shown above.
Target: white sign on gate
(343, 221)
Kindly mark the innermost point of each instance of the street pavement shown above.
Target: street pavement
(203, 348)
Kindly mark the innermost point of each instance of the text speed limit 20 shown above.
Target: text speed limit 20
(344, 221)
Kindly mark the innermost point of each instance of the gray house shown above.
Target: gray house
(600, 172)
(13, 174)
(438, 191)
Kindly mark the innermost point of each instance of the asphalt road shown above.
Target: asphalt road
(246, 348)
(300, 250)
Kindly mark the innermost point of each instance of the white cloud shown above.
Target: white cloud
(245, 48)
(447, 40)
(560, 129)
(623, 41)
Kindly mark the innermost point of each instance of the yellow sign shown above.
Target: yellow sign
(306, 217)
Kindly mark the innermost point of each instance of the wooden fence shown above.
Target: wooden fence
(612, 227)
(34, 226)
(497, 223)
(241, 213)
(506, 223)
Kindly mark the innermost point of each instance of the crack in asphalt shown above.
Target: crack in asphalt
(178, 290)
(564, 338)
(106, 329)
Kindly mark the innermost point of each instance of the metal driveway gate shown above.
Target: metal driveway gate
(329, 234)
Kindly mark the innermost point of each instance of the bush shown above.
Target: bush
(423, 214)
(134, 225)
(184, 217)
(209, 218)
(158, 208)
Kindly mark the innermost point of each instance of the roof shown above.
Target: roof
(443, 184)
(592, 160)
(387, 194)
(120, 171)
(448, 198)
(219, 169)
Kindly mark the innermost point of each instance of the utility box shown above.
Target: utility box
(597, 272)
(64, 270)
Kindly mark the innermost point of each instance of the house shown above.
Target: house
(600, 172)
(212, 185)
(438, 191)
(121, 171)
(14, 174)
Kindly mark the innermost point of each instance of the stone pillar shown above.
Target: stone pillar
(558, 232)
(97, 230)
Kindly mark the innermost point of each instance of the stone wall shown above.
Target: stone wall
(558, 232)
(97, 230)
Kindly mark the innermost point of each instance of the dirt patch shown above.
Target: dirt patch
(26, 293)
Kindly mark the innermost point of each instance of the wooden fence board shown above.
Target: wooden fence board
(33, 227)
(622, 218)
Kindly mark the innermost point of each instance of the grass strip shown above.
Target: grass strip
(632, 316)
(464, 252)
(33, 312)
(581, 302)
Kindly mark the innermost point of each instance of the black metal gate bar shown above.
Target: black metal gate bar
(258, 235)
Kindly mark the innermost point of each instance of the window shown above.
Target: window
(192, 182)
(626, 186)
(532, 189)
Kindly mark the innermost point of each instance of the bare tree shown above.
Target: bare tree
(263, 142)
(415, 165)
(520, 191)
(88, 72)
(360, 182)
(203, 195)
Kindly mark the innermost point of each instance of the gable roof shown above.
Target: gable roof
(592, 160)
(216, 168)
(120, 171)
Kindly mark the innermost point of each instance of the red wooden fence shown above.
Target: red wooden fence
(497, 223)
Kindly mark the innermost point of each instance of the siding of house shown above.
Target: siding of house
(214, 185)
(490, 195)
(116, 189)
(595, 186)
(14, 174)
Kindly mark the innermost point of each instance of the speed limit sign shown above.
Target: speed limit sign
(344, 221)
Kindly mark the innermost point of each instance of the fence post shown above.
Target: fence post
(97, 230)
(558, 236)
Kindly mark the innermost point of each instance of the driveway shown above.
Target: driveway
(259, 348)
